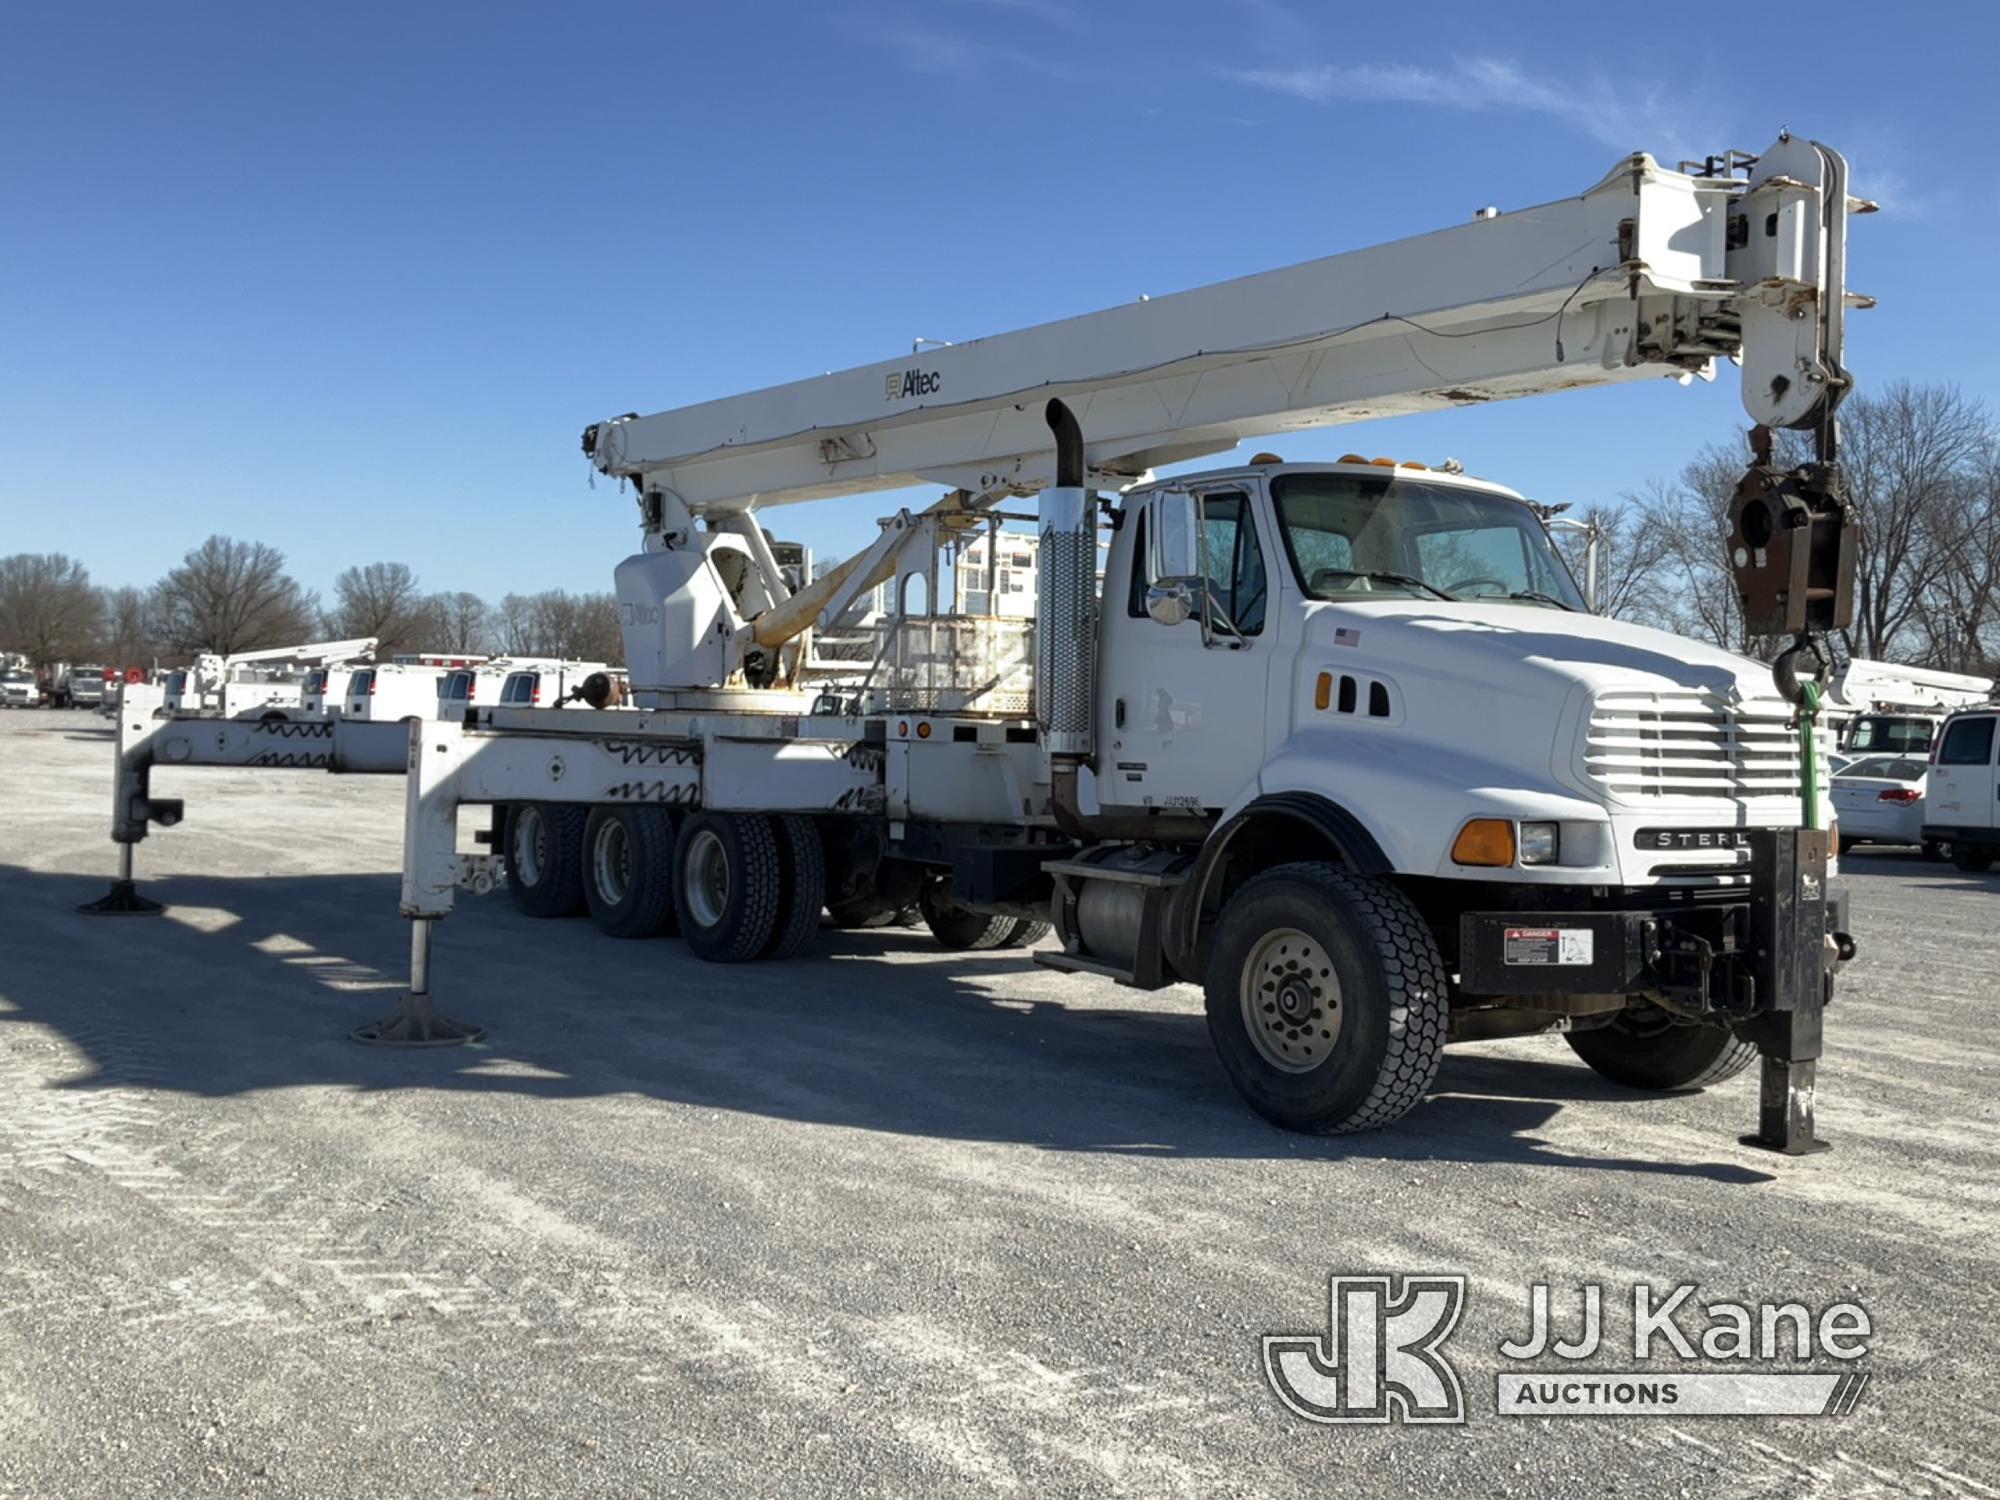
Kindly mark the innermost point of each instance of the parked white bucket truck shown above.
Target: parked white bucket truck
(1337, 742)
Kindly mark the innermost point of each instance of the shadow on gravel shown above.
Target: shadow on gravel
(253, 983)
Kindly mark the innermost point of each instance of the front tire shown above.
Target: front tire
(728, 887)
(545, 858)
(1972, 861)
(1937, 850)
(1326, 999)
(628, 870)
(1645, 1048)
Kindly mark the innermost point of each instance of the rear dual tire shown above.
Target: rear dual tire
(628, 870)
(748, 886)
(544, 843)
(966, 931)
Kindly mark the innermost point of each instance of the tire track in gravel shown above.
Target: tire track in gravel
(258, 1256)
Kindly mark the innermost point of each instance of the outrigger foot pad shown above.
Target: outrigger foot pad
(415, 1024)
(1785, 1109)
(122, 900)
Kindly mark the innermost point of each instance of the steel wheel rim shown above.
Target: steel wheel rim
(611, 860)
(707, 881)
(1291, 1001)
(531, 844)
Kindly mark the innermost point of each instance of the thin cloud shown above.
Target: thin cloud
(1052, 12)
(1596, 109)
(946, 54)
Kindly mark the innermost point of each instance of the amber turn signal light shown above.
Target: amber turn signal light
(1484, 841)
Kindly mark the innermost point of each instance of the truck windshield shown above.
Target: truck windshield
(1352, 536)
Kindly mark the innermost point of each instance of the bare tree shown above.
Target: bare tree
(379, 599)
(229, 596)
(1629, 557)
(577, 627)
(128, 638)
(1905, 452)
(513, 625)
(1957, 618)
(453, 621)
(48, 610)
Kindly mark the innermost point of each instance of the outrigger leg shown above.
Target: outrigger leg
(416, 1022)
(123, 899)
(431, 869)
(1806, 939)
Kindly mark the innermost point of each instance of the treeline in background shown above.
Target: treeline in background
(228, 596)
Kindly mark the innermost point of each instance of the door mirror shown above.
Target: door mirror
(1173, 539)
(1171, 601)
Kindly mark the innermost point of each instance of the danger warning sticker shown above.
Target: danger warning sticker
(1574, 946)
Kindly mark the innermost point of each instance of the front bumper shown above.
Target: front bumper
(1759, 958)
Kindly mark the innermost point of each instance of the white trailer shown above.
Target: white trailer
(1337, 742)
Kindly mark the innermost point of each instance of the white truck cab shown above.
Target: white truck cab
(1407, 643)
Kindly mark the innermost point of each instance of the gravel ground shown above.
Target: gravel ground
(886, 1220)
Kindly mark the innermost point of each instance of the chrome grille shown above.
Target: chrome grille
(1647, 745)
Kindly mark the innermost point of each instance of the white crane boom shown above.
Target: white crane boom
(1649, 273)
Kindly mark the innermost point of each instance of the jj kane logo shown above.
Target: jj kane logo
(1379, 1361)
(1382, 1357)
(907, 383)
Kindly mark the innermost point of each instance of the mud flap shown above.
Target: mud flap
(1795, 981)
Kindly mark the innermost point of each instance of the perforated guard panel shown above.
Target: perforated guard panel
(1066, 579)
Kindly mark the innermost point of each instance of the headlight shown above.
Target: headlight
(1541, 843)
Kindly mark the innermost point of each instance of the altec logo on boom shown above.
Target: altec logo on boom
(1382, 1360)
(911, 383)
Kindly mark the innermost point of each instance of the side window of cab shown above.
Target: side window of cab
(1237, 582)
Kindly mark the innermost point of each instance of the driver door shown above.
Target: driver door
(1182, 704)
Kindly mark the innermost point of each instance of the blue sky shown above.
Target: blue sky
(350, 279)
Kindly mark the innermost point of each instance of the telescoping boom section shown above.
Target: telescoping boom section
(1649, 273)
(1339, 743)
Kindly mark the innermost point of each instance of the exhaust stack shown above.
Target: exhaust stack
(1065, 599)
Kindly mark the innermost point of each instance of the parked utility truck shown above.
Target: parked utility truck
(269, 685)
(1337, 742)
(1885, 708)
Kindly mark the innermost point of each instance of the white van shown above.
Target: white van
(1962, 789)
(320, 684)
(385, 694)
(472, 687)
(546, 684)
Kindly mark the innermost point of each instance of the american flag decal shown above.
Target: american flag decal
(1345, 637)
